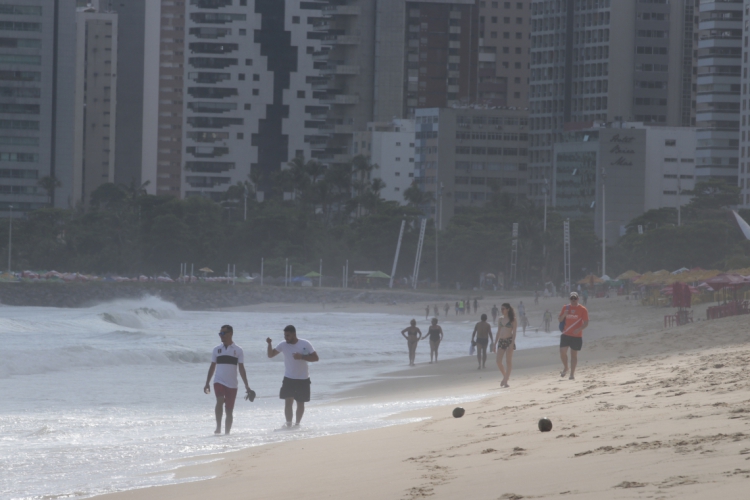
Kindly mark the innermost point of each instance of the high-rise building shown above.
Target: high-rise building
(744, 150)
(466, 154)
(37, 78)
(95, 102)
(607, 60)
(425, 55)
(503, 78)
(719, 81)
(163, 74)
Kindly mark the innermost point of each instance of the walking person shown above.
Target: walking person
(446, 309)
(476, 306)
(435, 308)
(547, 320)
(521, 309)
(296, 384)
(483, 333)
(506, 341)
(495, 310)
(461, 307)
(226, 359)
(426, 312)
(456, 308)
(468, 306)
(576, 318)
(524, 323)
(436, 336)
(413, 335)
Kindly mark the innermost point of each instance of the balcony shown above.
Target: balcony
(342, 10)
(341, 69)
(342, 99)
(342, 40)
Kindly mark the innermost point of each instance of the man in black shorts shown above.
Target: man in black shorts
(576, 318)
(483, 333)
(296, 384)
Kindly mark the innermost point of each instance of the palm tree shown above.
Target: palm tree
(416, 197)
(49, 183)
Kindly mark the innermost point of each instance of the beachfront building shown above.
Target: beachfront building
(37, 79)
(95, 101)
(504, 42)
(390, 146)
(718, 99)
(641, 167)
(603, 61)
(744, 149)
(465, 155)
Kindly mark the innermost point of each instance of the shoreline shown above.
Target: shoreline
(612, 368)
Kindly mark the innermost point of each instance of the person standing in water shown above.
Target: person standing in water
(426, 312)
(506, 341)
(413, 335)
(483, 333)
(226, 359)
(547, 320)
(495, 310)
(446, 309)
(296, 384)
(436, 336)
(576, 318)
(524, 323)
(476, 306)
(435, 308)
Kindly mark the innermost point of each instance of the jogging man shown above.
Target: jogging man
(296, 384)
(576, 319)
(483, 333)
(225, 360)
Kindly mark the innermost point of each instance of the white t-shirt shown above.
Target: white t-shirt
(295, 368)
(226, 359)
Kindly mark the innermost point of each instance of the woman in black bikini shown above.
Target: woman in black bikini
(436, 335)
(414, 336)
(506, 341)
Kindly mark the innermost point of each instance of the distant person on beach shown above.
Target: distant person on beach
(435, 308)
(468, 306)
(447, 308)
(547, 320)
(524, 323)
(585, 296)
(483, 333)
(226, 359)
(296, 384)
(506, 341)
(413, 335)
(576, 318)
(521, 309)
(456, 308)
(426, 312)
(495, 310)
(461, 307)
(476, 305)
(536, 296)
(436, 336)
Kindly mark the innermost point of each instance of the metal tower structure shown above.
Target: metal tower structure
(415, 275)
(398, 249)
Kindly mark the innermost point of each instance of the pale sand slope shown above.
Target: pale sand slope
(651, 415)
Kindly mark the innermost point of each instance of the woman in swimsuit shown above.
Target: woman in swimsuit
(506, 341)
(436, 335)
(414, 336)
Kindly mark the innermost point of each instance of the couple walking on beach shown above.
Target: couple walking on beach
(413, 335)
(503, 345)
(228, 358)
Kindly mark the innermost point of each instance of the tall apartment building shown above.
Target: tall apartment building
(744, 150)
(607, 60)
(163, 74)
(95, 102)
(504, 43)
(37, 47)
(465, 155)
(719, 80)
(425, 55)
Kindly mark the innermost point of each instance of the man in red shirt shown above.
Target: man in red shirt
(576, 318)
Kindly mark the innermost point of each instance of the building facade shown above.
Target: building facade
(504, 42)
(95, 102)
(390, 146)
(719, 80)
(466, 155)
(37, 79)
(744, 149)
(587, 67)
(641, 168)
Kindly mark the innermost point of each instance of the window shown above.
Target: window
(295, 19)
(256, 92)
(670, 142)
(248, 106)
(248, 62)
(300, 94)
(240, 135)
(241, 76)
(494, 19)
(243, 32)
(519, 35)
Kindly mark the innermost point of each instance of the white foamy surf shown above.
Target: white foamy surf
(106, 398)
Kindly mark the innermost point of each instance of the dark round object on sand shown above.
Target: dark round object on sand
(458, 412)
(545, 424)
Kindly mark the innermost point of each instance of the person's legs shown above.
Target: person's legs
(573, 363)
(228, 421)
(300, 411)
(289, 409)
(508, 364)
(564, 359)
(499, 360)
(484, 355)
(219, 410)
(479, 355)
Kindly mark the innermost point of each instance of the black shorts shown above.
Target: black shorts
(574, 343)
(299, 389)
(483, 342)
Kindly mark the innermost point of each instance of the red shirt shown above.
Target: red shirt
(576, 316)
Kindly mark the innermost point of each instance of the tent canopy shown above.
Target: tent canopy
(591, 279)
(313, 274)
(206, 270)
(378, 274)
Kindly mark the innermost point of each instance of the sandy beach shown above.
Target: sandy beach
(653, 413)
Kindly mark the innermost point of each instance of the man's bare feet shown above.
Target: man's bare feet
(563, 373)
(217, 431)
(571, 377)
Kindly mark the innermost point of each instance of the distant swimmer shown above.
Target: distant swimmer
(226, 359)
(495, 310)
(436, 336)
(483, 333)
(506, 341)
(296, 384)
(413, 335)
(576, 318)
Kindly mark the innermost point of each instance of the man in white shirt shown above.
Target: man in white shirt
(226, 358)
(296, 384)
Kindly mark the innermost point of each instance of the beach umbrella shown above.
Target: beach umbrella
(591, 279)
(378, 274)
(313, 274)
(726, 281)
(206, 270)
(489, 275)
(628, 275)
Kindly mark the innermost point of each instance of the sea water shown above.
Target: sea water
(107, 398)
